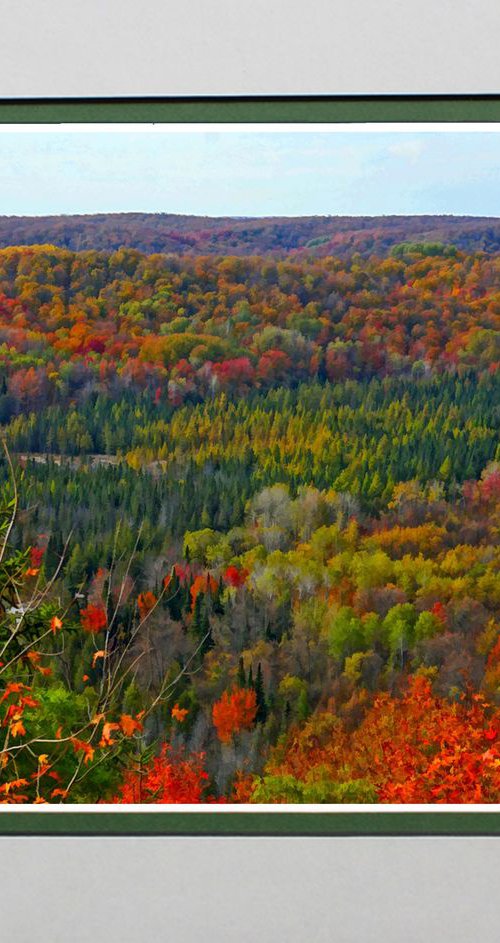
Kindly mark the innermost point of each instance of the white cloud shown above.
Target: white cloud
(410, 149)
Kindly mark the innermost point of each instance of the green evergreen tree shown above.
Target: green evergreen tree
(261, 715)
(241, 677)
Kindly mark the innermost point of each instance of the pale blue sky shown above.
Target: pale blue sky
(250, 173)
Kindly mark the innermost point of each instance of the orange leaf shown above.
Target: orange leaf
(27, 701)
(59, 792)
(55, 624)
(179, 713)
(13, 712)
(129, 725)
(13, 688)
(100, 654)
(13, 784)
(46, 672)
(106, 738)
(86, 748)
(17, 729)
(33, 657)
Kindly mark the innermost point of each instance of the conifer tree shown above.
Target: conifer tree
(241, 677)
(261, 714)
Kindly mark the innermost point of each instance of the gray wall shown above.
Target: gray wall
(217, 47)
(249, 890)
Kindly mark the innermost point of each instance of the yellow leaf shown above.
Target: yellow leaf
(17, 729)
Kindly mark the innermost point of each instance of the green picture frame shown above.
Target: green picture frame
(252, 824)
(338, 109)
(339, 822)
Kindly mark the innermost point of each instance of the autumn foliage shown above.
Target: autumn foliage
(235, 576)
(250, 511)
(423, 748)
(204, 583)
(417, 748)
(93, 618)
(169, 778)
(145, 603)
(235, 711)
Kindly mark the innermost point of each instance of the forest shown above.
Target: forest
(249, 527)
(275, 236)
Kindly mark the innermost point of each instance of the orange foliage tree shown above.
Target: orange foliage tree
(418, 748)
(235, 711)
(146, 603)
(204, 583)
(423, 748)
(168, 778)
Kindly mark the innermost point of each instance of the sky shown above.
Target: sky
(250, 172)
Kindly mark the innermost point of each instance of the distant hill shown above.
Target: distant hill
(199, 235)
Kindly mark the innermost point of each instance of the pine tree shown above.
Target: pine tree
(217, 606)
(241, 677)
(197, 627)
(174, 600)
(261, 714)
(200, 624)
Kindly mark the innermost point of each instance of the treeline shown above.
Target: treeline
(201, 235)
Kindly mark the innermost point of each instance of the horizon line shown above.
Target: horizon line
(243, 218)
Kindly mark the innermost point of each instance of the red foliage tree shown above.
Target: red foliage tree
(169, 778)
(273, 367)
(235, 711)
(93, 618)
(235, 576)
(439, 611)
(236, 375)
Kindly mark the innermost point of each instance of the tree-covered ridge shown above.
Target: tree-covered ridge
(204, 235)
(74, 324)
(255, 551)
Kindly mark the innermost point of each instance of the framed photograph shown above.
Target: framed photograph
(250, 475)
